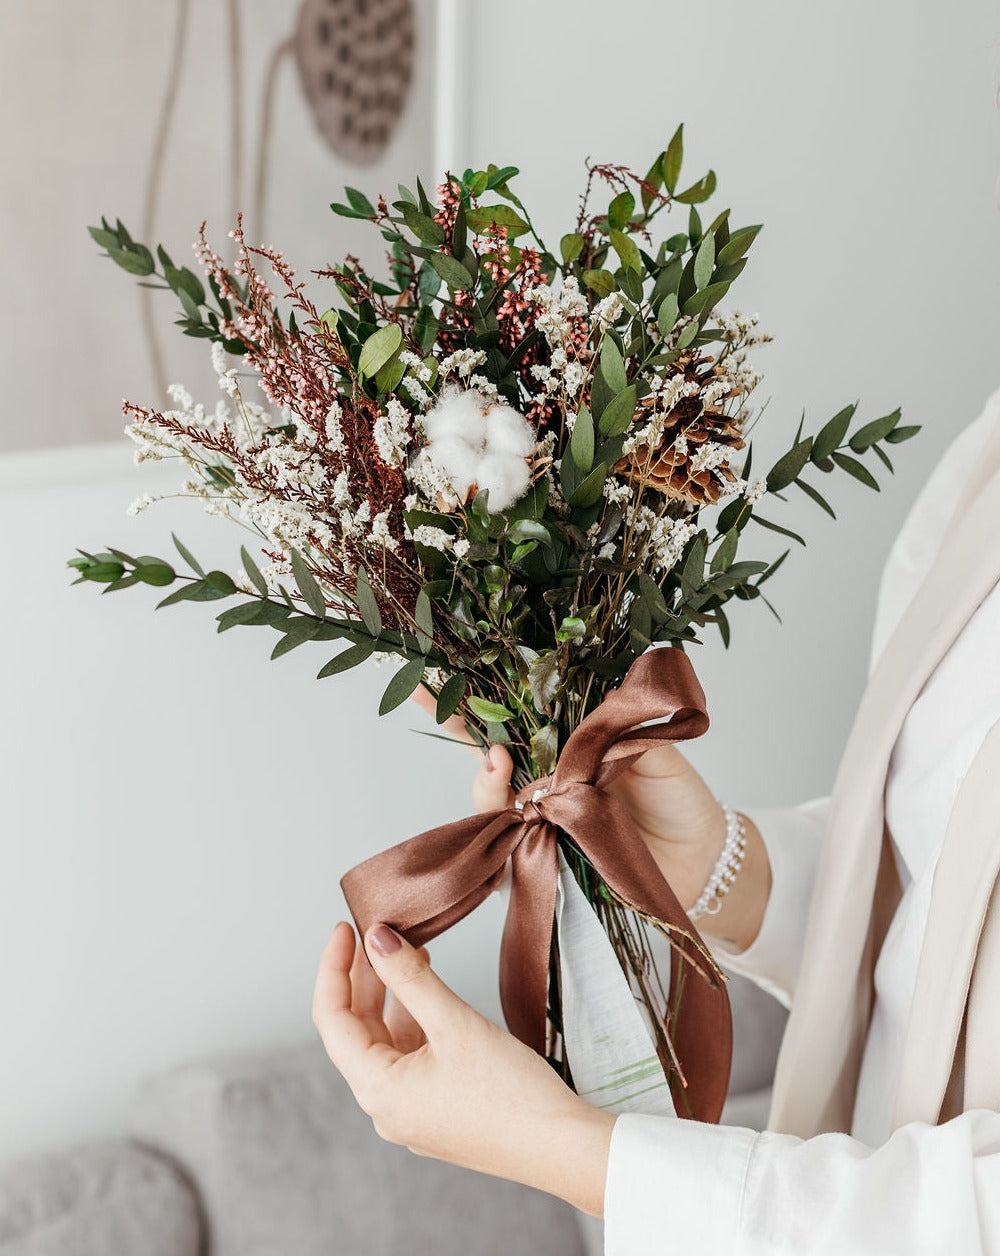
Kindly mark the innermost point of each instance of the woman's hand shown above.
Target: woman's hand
(676, 815)
(444, 1081)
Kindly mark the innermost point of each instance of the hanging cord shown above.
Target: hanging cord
(258, 223)
(154, 183)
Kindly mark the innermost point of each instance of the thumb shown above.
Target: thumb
(491, 789)
(407, 973)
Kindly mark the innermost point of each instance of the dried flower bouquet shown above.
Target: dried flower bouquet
(513, 469)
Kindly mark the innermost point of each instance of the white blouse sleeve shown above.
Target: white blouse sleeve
(720, 1190)
(792, 838)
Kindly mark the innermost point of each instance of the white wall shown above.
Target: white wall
(866, 137)
(176, 811)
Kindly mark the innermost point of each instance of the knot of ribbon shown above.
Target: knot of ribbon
(428, 883)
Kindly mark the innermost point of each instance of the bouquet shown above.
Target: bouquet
(513, 469)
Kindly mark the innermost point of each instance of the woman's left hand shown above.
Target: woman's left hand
(446, 1082)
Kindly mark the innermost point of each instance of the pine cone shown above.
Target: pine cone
(670, 471)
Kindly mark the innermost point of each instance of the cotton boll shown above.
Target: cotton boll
(456, 460)
(508, 432)
(505, 477)
(459, 414)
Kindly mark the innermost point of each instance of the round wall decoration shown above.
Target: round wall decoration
(355, 58)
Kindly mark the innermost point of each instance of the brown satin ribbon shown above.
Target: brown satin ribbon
(426, 884)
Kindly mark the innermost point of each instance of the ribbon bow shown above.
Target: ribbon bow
(425, 885)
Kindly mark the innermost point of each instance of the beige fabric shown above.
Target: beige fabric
(821, 1053)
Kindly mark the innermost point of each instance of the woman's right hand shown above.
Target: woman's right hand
(683, 825)
(678, 817)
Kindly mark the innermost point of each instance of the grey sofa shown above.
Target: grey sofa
(266, 1154)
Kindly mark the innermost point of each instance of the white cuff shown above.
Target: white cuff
(792, 838)
(674, 1186)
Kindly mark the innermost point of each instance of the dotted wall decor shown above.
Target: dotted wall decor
(356, 62)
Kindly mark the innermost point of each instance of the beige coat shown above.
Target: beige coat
(951, 1057)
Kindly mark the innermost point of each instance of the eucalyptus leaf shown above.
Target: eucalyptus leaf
(312, 594)
(371, 616)
(618, 414)
(381, 347)
(401, 686)
(351, 657)
(450, 697)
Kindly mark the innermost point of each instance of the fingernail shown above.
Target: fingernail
(490, 767)
(384, 940)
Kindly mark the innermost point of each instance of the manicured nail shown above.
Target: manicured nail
(384, 940)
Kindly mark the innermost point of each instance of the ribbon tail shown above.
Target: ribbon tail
(527, 936)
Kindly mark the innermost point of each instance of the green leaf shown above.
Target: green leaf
(484, 217)
(613, 365)
(618, 413)
(788, 467)
(453, 273)
(776, 527)
(832, 434)
(545, 748)
(571, 246)
(450, 697)
(368, 604)
(529, 530)
(424, 228)
(245, 613)
(360, 202)
(704, 261)
(253, 572)
(106, 239)
(301, 629)
(600, 281)
(154, 571)
(699, 191)
(489, 712)
(688, 334)
(186, 554)
(220, 583)
(726, 552)
(667, 314)
(581, 443)
(424, 618)
(738, 245)
(703, 301)
(626, 249)
(620, 210)
(312, 594)
(401, 686)
(544, 679)
(347, 659)
(672, 159)
(588, 491)
(899, 434)
(381, 347)
(855, 468)
(137, 261)
(878, 429)
(817, 497)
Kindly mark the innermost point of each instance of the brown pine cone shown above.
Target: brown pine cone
(669, 471)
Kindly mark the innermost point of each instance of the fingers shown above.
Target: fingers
(367, 991)
(404, 1031)
(454, 725)
(491, 789)
(345, 1037)
(406, 972)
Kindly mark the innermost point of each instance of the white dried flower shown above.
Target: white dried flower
(756, 490)
(433, 538)
(140, 503)
(606, 312)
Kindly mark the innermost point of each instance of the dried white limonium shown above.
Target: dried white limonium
(475, 444)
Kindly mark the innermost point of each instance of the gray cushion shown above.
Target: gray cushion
(286, 1162)
(101, 1199)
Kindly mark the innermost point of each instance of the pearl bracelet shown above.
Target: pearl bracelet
(728, 865)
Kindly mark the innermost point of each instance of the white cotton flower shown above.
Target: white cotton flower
(473, 441)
